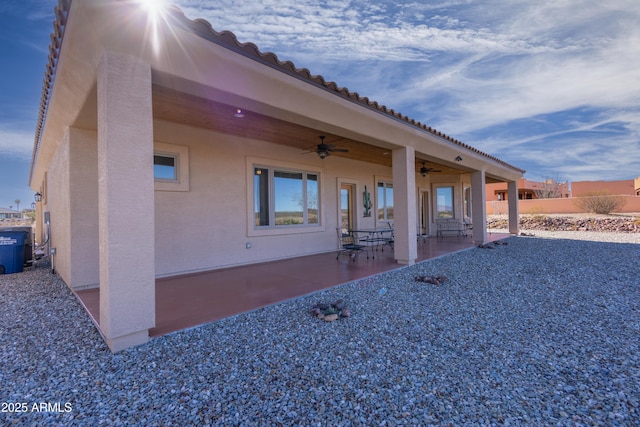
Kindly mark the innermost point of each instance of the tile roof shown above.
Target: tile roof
(227, 39)
(61, 12)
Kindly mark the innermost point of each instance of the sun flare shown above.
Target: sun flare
(154, 9)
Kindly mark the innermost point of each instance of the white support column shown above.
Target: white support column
(404, 206)
(478, 207)
(126, 200)
(512, 200)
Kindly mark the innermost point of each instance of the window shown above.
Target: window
(171, 167)
(444, 202)
(285, 197)
(385, 201)
(165, 167)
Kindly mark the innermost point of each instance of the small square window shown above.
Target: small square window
(170, 167)
(165, 167)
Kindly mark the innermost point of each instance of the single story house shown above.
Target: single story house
(529, 190)
(164, 147)
(9, 214)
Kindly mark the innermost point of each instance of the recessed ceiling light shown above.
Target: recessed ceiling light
(239, 114)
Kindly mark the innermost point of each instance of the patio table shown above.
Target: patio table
(375, 237)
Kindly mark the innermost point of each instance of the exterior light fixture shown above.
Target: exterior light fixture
(458, 159)
(38, 197)
(239, 114)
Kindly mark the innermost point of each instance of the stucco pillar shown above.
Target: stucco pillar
(126, 200)
(478, 207)
(404, 206)
(512, 201)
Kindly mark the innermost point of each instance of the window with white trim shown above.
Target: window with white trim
(285, 198)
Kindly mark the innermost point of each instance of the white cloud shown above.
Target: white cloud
(16, 144)
(468, 67)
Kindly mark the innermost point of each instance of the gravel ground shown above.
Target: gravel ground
(542, 331)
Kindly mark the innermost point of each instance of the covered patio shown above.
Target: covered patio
(194, 299)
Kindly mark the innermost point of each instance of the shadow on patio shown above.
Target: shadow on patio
(195, 299)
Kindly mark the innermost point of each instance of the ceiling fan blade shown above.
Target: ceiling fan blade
(339, 150)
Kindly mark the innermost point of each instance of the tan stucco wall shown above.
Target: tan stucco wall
(57, 204)
(73, 208)
(579, 188)
(83, 191)
(207, 227)
(632, 204)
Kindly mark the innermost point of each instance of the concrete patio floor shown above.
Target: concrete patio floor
(194, 299)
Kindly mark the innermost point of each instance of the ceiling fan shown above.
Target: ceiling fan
(425, 170)
(323, 149)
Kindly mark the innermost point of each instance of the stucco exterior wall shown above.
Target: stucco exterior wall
(209, 227)
(57, 204)
(626, 187)
(540, 206)
(83, 209)
(72, 182)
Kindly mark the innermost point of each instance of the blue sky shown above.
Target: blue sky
(552, 87)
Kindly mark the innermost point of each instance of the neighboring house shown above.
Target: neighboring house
(628, 187)
(185, 151)
(528, 190)
(9, 214)
(530, 203)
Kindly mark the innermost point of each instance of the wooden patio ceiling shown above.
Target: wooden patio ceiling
(181, 107)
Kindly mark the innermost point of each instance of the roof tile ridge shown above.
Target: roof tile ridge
(60, 12)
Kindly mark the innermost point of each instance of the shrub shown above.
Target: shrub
(599, 202)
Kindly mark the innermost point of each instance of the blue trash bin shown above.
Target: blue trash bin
(12, 251)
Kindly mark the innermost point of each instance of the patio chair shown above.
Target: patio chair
(349, 246)
(389, 240)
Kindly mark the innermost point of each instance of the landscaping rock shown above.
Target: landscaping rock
(330, 312)
(330, 317)
(570, 222)
(434, 280)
